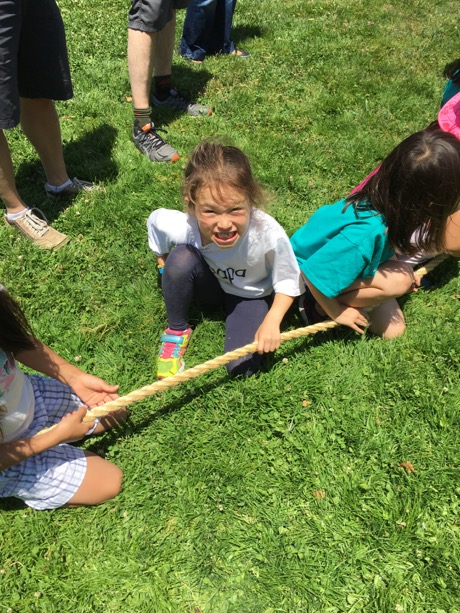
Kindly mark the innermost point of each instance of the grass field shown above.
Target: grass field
(284, 492)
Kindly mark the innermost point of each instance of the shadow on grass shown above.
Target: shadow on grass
(241, 34)
(88, 158)
(11, 504)
(190, 81)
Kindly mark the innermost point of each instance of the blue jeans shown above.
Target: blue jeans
(207, 29)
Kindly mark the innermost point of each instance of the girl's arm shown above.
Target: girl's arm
(92, 390)
(341, 313)
(71, 428)
(452, 235)
(268, 334)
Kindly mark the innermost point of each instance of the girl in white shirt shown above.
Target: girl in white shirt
(224, 250)
(42, 469)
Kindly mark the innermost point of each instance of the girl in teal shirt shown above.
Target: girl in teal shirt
(347, 250)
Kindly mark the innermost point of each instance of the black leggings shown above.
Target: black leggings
(186, 274)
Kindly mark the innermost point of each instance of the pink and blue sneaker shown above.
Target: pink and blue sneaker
(173, 346)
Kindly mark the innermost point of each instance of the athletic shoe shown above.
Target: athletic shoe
(178, 102)
(38, 230)
(307, 309)
(150, 143)
(72, 189)
(172, 349)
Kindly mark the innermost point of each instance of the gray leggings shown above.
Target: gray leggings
(187, 275)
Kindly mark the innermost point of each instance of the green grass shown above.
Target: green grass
(283, 492)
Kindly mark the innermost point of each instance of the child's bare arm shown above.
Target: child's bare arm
(341, 313)
(268, 334)
(71, 428)
(92, 390)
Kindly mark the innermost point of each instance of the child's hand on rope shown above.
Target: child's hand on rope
(92, 390)
(268, 337)
(72, 428)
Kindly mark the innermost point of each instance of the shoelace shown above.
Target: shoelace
(170, 350)
(37, 225)
(151, 133)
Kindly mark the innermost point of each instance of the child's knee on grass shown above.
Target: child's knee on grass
(102, 482)
(387, 320)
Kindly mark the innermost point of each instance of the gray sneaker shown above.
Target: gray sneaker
(152, 145)
(75, 186)
(178, 102)
(38, 230)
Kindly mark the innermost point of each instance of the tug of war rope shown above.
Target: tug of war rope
(196, 371)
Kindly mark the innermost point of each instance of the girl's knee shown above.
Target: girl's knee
(395, 330)
(116, 482)
(402, 280)
(181, 262)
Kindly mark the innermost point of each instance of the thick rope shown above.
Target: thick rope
(196, 371)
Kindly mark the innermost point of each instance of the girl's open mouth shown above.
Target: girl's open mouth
(225, 238)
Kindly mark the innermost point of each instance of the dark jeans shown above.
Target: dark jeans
(186, 275)
(207, 28)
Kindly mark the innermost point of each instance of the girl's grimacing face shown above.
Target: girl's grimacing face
(222, 217)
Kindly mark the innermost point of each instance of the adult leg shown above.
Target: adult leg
(8, 192)
(186, 274)
(199, 36)
(102, 481)
(227, 8)
(148, 51)
(140, 65)
(244, 317)
(163, 48)
(40, 123)
(17, 214)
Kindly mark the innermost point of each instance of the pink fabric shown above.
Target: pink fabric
(364, 181)
(449, 116)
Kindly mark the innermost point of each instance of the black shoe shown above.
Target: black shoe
(306, 305)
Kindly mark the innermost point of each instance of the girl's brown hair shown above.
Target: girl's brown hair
(452, 71)
(214, 165)
(416, 189)
(15, 331)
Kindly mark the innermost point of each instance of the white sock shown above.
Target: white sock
(12, 216)
(57, 188)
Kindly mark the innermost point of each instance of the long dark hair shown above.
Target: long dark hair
(452, 71)
(416, 189)
(15, 331)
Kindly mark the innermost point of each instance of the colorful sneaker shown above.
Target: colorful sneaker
(152, 145)
(72, 188)
(173, 346)
(38, 230)
(178, 102)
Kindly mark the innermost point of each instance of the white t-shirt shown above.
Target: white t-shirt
(262, 260)
(17, 401)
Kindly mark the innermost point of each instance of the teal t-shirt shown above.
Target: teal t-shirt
(451, 90)
(336, 246)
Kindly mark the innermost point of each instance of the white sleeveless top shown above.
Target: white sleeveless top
(17, 401)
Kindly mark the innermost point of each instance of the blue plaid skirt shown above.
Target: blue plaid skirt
(49, 479)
